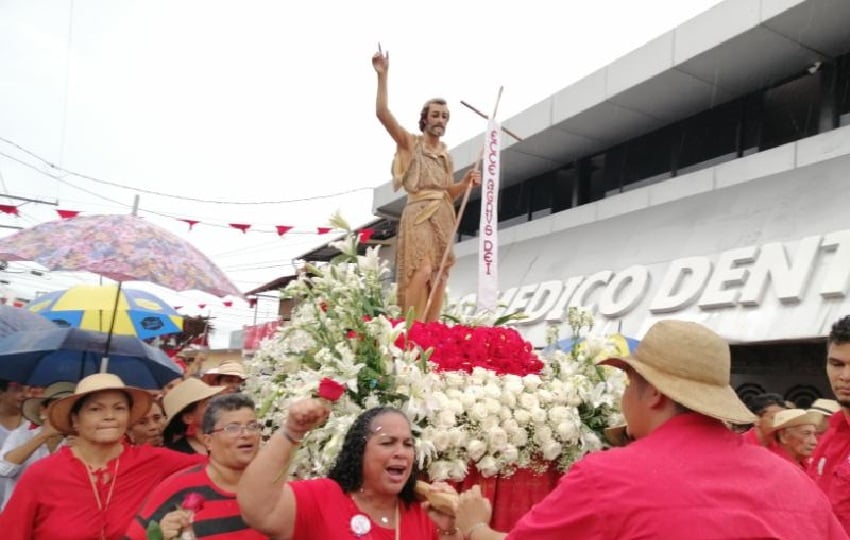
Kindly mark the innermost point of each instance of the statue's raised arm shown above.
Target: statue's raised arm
(403, 139)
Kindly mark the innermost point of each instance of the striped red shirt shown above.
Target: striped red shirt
(218, 519)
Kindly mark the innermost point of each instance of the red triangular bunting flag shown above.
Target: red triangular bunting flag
(282, 229)
(68, 214)
(241, 226)
(191, 222)
(202, 306)
(252, 302)
(9, 209)
(324, 230)
(176, 308)
(228, 303)
(365, 235)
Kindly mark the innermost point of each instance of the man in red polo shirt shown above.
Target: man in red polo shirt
(686, 475)
(830, 465)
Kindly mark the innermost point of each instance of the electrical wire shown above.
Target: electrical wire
(207, 223)
(174, 195)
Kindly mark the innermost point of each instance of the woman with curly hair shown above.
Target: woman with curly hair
(369, 492)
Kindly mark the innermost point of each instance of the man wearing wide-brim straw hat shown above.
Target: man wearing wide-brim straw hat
(795, 431)
(686, 475)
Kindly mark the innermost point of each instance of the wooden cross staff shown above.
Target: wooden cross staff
(484, 116)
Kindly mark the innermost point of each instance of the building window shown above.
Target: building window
(564, 188)
(710, 137)
(842, 90)
(790, 111)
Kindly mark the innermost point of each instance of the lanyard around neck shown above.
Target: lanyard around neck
(102, 506)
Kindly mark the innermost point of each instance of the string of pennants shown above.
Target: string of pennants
(365, 233)
(252, 302)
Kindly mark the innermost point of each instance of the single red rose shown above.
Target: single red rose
(330, 390)
(193, 502)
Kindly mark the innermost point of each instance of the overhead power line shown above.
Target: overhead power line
(177, 196)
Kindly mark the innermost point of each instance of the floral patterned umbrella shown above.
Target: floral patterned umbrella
(122, 247)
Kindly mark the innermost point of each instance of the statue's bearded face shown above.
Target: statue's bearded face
(436, 119)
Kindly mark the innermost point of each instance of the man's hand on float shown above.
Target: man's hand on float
(473, 511)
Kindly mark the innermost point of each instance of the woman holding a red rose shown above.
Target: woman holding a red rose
(207, 493)
(369, 492)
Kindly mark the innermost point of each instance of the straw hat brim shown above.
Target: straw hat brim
(821, 411)
(720, 402)
(812, 418)
(31, 408)
(232, 374)
(59, 411)
(826, 407)
(175, 406)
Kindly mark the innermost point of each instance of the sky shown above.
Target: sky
(263, 102)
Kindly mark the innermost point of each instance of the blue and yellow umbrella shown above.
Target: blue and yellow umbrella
(91, 307)
(617, 345)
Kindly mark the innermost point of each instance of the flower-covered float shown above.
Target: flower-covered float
(483, 403)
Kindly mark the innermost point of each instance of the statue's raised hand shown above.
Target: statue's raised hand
(381, 61)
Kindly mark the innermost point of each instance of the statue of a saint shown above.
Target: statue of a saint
(423, 166)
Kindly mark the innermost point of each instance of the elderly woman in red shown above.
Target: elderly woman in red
(369, 492)
(90, 491)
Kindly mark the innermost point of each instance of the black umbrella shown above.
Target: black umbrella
(13, 319)
(41, 357)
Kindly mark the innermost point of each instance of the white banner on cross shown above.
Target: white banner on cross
(488, 241)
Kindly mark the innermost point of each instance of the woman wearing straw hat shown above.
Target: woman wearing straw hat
(184, 408)
(26, 446)
(93, 489)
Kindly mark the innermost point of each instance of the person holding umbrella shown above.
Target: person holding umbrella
(93, 489)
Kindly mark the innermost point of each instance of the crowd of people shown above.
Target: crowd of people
(102, 460)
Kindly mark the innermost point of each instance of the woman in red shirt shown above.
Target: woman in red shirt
(92, 490)
(369, 492)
